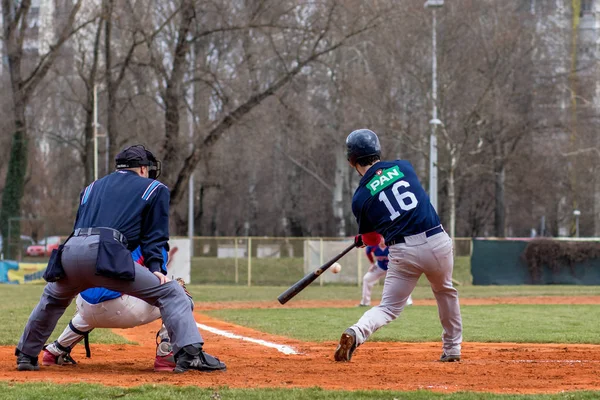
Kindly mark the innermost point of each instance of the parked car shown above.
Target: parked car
(26, 241)
(44, 247)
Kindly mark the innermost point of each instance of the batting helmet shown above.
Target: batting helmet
(138, 156)
(362, 143)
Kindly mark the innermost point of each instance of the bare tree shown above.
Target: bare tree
(24, 82)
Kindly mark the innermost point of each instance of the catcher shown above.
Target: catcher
(103, 308)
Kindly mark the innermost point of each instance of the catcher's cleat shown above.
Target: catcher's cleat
(346, 347)
(51, 359)
(449, 357)
(191, 357)
(164, 363)
(27, 363)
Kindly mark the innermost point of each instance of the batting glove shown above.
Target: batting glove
(358, 241)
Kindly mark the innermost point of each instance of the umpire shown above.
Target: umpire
(125, 209)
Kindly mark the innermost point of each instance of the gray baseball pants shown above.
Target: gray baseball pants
(432, 256)
(79, 262)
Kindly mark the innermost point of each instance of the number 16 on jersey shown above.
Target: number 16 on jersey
(406, 200)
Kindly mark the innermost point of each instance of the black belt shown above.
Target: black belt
(96, 231)
(428, 233)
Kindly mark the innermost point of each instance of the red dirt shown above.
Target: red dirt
(427, 302)
(486, 367)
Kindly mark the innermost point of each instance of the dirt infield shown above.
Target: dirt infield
(428, 302)
(486, 367)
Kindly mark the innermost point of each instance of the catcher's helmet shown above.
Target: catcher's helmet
(362, 143)
(137, 156)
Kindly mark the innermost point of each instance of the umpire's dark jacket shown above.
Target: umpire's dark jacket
(137, 207)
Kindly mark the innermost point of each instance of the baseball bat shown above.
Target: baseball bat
(310, 277)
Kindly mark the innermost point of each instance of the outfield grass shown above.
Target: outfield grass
(316, 292)
(43, 391)
(491, 323)
(278, 271)
(16, 304)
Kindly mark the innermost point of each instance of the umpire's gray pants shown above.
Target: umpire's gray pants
(433, 257)
(79, 262)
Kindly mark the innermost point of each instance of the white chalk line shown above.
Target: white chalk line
(279, 347)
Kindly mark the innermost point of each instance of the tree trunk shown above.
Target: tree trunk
(15, 179)
(173, 94)
(499, 214)
(341, 176)
(88, 156)
(597, 201)
(452, 196)
(250, 224)
(14, 29)
(17, 164)
(111, 85)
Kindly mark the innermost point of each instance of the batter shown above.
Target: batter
(391, 202)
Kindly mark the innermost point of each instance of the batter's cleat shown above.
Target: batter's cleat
(449, 357)
(363, 305)
(191, 357)
(26, 363)
(409, 301)
(346, 347)
(164, 364)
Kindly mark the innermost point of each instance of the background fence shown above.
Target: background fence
(279, 261)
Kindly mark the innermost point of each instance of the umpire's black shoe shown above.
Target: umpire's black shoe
(449, 357)
(346, 347)
(26, 363)
(192, 357)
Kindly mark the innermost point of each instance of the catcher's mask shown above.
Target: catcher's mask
(138, 156)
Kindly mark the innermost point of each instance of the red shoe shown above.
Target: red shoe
(51, 359)
(164, 364)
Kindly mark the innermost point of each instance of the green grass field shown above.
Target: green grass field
(43, 391)
(489, 323)
(17, 302)
(554, 323)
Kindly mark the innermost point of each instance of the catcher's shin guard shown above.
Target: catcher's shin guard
(163, 343)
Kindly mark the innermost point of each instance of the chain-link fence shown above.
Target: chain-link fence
(279, 261)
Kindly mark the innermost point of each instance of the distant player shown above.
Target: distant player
(391, 202)
(378, 256)
(103, 308)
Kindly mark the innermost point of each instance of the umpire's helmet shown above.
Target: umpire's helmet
(362, 143)
(137, 156)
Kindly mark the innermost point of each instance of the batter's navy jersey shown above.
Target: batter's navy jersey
(391, 201)
(137, 207)
(381, 255)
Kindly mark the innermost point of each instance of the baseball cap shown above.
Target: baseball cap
(137, 156)
(132, 156)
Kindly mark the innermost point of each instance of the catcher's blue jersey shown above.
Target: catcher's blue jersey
(391, 201)
(380, 255)
(99, 294)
